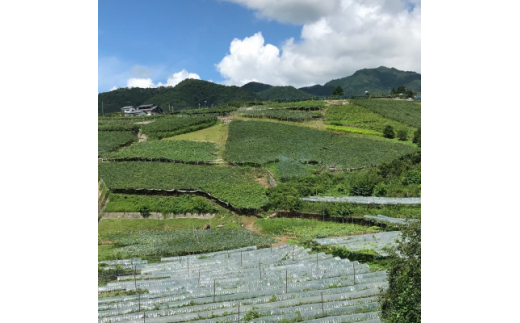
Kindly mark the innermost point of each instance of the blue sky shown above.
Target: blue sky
(283, 42)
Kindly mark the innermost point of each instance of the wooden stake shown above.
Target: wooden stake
(214, 286)
(286, 281)
(322, 308)
(354, 273)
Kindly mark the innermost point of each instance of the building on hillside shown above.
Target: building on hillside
(142, 110)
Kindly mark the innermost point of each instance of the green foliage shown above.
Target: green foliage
(354, 130)
(401, 302)
(359, 117)
(417, 137)
(297, 105)
(118, 124)
(251, 315)
(112, 140)
(109, 275)
(337, 91)
(283, 92)
(317, 90)
(145, 211)
(408, 113)
(163, 204)
(113, 101)
(402, 134)
(155, 244)
(233, 185)
(259, 143)
(286, 115)
(388, 132)
(191, 93)
(173, 123)
(175, 150)
(308, 229)
(377, 80)
(256, 87)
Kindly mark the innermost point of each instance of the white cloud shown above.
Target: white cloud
(113, 88)
(178, 77)
(336, 40)
(173, 79)
(140, 82)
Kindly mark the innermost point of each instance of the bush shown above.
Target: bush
(388, 132)
(145, 211)
(417, 137)
(402, 134)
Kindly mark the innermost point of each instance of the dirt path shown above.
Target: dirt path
(248, 222)
(142, 137)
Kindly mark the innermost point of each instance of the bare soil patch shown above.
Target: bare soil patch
(263, 181)
(142, 137)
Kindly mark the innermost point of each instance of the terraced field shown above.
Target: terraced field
(279, 284)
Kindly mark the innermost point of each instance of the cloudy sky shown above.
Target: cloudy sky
(279, 42)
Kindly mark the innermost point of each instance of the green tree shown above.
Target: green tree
(388, 132)
(401, 301)
(338, 91)
(402, 134)
(417, 137)
(401, 89)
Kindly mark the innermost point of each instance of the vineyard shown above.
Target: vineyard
(285, 115)
(236, 186)
(359, 117)
(174, 125)
(153, 244)
(111, 140)
(259, 143)
(187, 151)
(279, 284)
(408, 113)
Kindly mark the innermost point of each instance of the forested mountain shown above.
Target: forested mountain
(187, 94)
(318, 90)
(283, 92)
(377, 80)
(256, 87)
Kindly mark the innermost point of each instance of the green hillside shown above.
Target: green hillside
(114, 100)
(187, 94)
(318, 90)
(256, 87)
(191, 93)
(377, 80)
(283, 92)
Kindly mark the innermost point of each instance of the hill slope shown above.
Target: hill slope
(188, 93)
(377, 80)
(256, 87)
(114, 100)
(282, 92)
(318, 90)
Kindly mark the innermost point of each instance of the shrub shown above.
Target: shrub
(417, 137)
(388, 132)
(402, 134)
(145, 211)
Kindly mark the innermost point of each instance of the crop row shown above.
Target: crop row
(110, 140)
(173, 123)
(236, 186)
(263, 142)
(117, 124)
(287, 115)
(402, 111)
(182, 150)
(183, 242)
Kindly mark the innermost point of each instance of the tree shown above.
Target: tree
(401, 89)
(338, 91)
(417, 137)
(401, 301)
(402, 134)
(388, 132)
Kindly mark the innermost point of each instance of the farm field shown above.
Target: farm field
(174, 125)
(258, 142)
(284, 115)
(186, 151)
(408, 113)
(233, 185)
(351, 115)
(112, 140)
(280, 284)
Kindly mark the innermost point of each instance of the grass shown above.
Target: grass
(354, 130)
(308, 229)
(317, 124)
